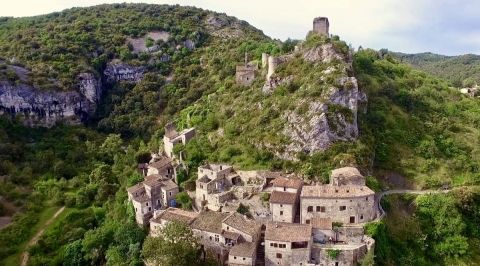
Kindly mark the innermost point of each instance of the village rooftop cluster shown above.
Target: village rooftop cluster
(289, 222)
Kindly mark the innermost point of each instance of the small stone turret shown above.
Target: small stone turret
(321, 25)
(264, 60)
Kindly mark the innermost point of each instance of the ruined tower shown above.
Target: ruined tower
(321, 25)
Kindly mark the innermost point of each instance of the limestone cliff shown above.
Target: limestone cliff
(115, 72)
(46, 107)
(329, 117)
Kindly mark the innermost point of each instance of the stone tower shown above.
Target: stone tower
(321, 25)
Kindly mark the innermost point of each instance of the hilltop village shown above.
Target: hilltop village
(288, 222)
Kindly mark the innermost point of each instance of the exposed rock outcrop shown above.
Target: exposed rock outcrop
(115, 72)
(329, 118)
(44, 108)
(325, 121)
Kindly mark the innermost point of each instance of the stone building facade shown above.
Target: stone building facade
(345, 204)
(321, 25)
(172, 137)
(213, 185)
(284, 200)
(222, 233)
(162, 217)
(245, 74)
(287, 244)
(155, 192)
(162, 166)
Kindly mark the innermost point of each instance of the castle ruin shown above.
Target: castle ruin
(321, 25)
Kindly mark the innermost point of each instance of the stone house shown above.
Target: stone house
(287, 244)
(284, 200)
(283, 206)
(221, 232)
(213, 185)
(172, 137)
(162, 166)
(162, 217)
(345, 204)
(155, 192)
(243, 254)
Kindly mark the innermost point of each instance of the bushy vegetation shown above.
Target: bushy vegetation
(460, 71)
(428, 229)
(416, 124)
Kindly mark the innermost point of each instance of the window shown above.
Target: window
(282, 245)
(217, 239)
(322, 208)
(279, 255)
(158, 201)
(275, 245)
(228, 227)
(284, 189)
(336, 263)
(281, 212)
(149, 209)
(310, 209)
(342, 208)
(210, 237)
(243, 258)
(318, 208)
(234, 258)
(170, 193)
(271, 244)
(366, 198)
(307, 221)
(281, 205)
(147, 203)
(361, 216)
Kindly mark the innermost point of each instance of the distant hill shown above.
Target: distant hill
(462, 70)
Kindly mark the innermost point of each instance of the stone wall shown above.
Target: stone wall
(321, 25)
(349, 256)
(289, 256)
(362, 209)
(237, 260)
(289, 212)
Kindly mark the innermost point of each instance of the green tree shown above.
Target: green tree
(176, 245)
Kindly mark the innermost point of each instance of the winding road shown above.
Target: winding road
(379, 196)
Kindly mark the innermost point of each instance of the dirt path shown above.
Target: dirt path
(37, 236)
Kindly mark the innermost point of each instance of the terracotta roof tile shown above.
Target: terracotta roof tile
(174, 214)
(162, 163)
(329, 191)
(169, 184)
(288, 232)
(283, 197)
(287, 182)
(245, 249)
(210, 221)
(242, 224)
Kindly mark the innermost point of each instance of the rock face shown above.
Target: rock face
(320, 126)
(329, 118)
(123, 72)
(45, 107)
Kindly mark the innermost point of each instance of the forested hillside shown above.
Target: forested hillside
(460, 71)
(411, 125)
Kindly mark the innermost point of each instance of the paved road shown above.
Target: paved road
(379, 196)
(37, 236)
